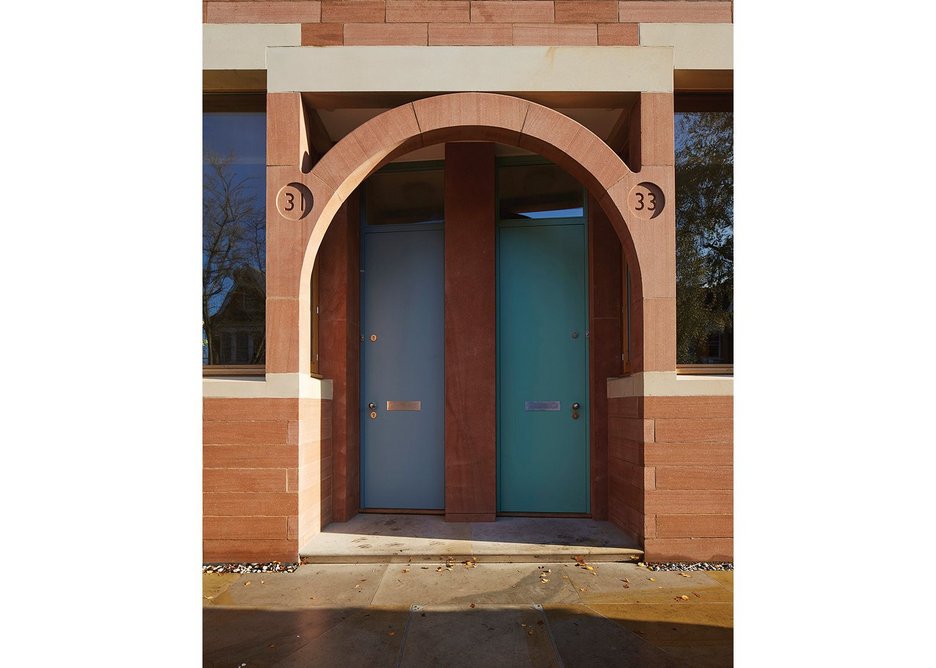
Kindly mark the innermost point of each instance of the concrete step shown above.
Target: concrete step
(372, 538)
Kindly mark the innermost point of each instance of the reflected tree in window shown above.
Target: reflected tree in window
(233, 263)
(704, 237)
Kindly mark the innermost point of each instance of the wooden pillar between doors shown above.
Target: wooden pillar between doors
(470, 371)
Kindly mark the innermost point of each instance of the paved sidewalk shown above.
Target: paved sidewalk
(497, 614)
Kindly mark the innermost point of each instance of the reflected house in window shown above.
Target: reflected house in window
(237, 327)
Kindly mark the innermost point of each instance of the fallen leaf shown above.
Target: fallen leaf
(684, 597)
(652, 579)
(684, 575)
(697, 595)
(391, 633)
(471, 605)
(247, 583)
(624, 580)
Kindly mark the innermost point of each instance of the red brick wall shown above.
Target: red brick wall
(670, 465)
(251, 476)
(469, 22)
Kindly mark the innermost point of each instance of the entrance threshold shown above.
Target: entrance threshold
(398, 538)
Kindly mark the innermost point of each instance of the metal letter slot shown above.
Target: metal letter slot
(404, 405)
(541, 406)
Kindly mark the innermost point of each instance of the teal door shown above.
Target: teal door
(542, 364)
(402, 438)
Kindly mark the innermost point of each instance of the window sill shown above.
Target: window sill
(705, 369)
(233, 370)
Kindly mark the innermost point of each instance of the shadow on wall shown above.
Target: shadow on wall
(459, 635)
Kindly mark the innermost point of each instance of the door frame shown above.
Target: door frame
(511, 161)
(412, 166)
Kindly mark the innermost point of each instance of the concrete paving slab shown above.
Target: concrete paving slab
(585, 638)
(696, 635)
(307, 587)
(379, 538)
(214, 584)
(364, 639)
(504, 584)
(233, 636)
(725, 578)
(461, 637)
(605, 584)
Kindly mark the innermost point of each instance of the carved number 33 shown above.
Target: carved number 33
(640, 202)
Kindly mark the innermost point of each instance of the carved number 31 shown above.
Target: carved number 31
(640, 202)
(290, 199)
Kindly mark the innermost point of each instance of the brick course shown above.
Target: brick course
(436, 22)
(671, 475)
(253, 453)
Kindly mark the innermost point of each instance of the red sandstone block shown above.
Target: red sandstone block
(380, 34)
(230, 528)
(678, 502)
(246, 505)
(428, 11)
(353, 11)
(292, 479)
(618, 34)
(249, 456)
(499, 11)
(555, 35)
(216, 551)
(264, 12)
(283, 110)
(688, 407)
(292, 527)
(243, 480)
(624, 450)
(688, 549)
(657, 11)
(226, 409)
(624, 407)
(641, 431)
(245, 433)
(679, 430)
(575, 11)
(321, 34)
(688, 454)
(694, 526)
(282, 334)
(694, 477)
(470, 34)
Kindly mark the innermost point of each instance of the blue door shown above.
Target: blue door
(402, 437)
(542, 363)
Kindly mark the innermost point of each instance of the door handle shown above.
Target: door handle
(373, 410)
(575, 409)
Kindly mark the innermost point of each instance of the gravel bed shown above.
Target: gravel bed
(690, 566)
(269, 567)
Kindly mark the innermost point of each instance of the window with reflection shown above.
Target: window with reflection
(538, 191)
(233, 237)
(704, 142)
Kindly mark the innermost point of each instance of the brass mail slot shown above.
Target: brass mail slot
(541, 406)
(404, 405)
